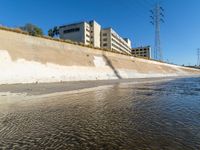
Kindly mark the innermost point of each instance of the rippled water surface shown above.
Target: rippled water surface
(156, 115)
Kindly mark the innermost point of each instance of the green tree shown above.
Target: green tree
(53, 32)
(50, 33)
(56, 31)
(32, 29)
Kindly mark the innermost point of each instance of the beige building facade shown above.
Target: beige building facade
(111, 40)
(144, 52)
(84, 32)
(91, 33)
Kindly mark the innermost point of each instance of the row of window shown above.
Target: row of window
(140, 53)
(140, 49)
(121, 45)
(105, 39)
(71, 30)
(105, 34)
(119, 38)
(118, 48)
(87, 35)
(105, 44)
(87, 41)
(87, 30)
(120, 42)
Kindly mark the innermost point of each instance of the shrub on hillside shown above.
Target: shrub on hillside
(32, 29)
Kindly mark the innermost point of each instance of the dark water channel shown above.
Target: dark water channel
(154, 116)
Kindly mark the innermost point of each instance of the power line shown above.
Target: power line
(198, 57)
(157, 17)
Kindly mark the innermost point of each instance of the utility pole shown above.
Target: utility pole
(157, 17)
(198, 57)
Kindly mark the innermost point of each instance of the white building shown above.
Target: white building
(90, 33)
(84, 32)
(111, 40)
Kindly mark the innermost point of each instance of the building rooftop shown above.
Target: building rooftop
(71, 24)
(141, 47)
(77, 23)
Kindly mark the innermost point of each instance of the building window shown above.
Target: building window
(71, 30)
(87, 30)
(105, 44)
(105, 39)
(87, 35)
(104, 34)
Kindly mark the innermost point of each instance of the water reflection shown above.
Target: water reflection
(126, 116)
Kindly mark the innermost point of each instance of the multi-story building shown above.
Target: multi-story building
(144, 52)
(84, 32)
(90, 33)
(111, 40)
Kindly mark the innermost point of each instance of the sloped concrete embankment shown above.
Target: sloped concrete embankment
(27, 59)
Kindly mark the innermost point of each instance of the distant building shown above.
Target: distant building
(90, 33)
(111, 40)
(144, 52)
(87, 33)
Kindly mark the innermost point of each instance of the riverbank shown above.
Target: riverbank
(28, 59)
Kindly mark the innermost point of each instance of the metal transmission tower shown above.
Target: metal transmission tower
(198, 57)
(157, 17)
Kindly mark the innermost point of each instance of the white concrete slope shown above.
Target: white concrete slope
(26, 59)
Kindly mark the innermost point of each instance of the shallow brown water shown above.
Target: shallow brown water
(157, 115)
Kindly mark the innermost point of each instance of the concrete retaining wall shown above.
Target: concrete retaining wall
(27, 59)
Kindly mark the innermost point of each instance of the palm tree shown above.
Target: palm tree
(54, 32)
(50, 33)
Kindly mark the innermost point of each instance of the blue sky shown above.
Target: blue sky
(180, 34)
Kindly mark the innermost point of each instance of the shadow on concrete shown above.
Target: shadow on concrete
(109, 63)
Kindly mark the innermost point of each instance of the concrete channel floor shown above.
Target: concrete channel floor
(47, 88)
